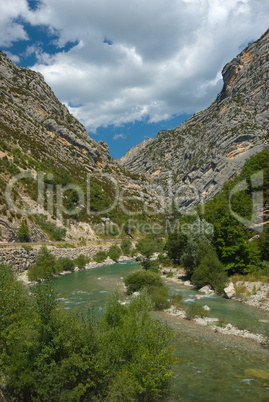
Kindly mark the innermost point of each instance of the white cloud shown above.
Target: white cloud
(119, 136)
(165, 57)
(12, 57)
(10, 30)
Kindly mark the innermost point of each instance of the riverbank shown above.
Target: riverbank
(23, 276)
(252, 293)
(215, 325)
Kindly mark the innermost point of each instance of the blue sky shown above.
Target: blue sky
(127, 69)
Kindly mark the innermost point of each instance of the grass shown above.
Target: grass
(250, 278)
(240, 291)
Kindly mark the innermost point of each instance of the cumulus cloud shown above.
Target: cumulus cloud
(119, 136)
(10, 30)
(138, 60)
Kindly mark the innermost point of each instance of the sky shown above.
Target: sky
(129, 68)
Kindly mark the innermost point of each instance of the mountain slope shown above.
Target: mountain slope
(38, 134)
(200, 155)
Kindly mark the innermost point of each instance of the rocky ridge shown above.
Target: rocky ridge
(37, 133)
(207, 150)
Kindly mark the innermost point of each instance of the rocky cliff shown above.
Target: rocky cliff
(194, 160)
(37, 133)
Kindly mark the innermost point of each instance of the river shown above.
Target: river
(212, 366)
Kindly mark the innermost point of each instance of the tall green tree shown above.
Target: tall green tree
(175, 245)
(44, 266)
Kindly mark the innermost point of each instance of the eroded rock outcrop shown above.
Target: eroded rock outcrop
(208, 149)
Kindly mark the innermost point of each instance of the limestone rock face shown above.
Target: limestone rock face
(31, 115)
(38, 134)
(133, 152)
(208, 149)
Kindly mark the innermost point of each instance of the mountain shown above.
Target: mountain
(38, 134)
(133, 152)
(194, 160)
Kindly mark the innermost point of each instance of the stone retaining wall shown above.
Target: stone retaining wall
(20, 259)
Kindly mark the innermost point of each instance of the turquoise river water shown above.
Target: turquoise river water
(212, 366)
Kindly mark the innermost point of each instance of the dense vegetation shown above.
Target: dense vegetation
(46, 265)
(233, 246)
(49, 354)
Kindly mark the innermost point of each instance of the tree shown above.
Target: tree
(210, 272)
(50, 354)
(58, 233)
(148, 246)
(114, 252)
(81, 261)
(44, 266)
(125, 246)
(142, 279)
(63, 264)
(23, 233)
(100, 256)
(175, 245)
(197, 247)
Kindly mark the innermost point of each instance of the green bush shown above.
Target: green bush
(142, 279)
(149, 265)
(197, 247)
(194, 310)
(50, 354)
(44, 266)
(177, 300)
(23, 233)
(210, 272)
(125, 246)
(159, 297)
(27, 248)
(148, 246)
(63, 264)
(114, 252)
(81, 261)
(100, 256)
(58, 233)
(175, 245)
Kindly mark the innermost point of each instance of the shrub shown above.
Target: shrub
(159, 297)
(147, 247)
(175, 245)
(114, 252)
(194, 310)
(177, 300)
(142, 279)
(149, 265)
(100, 256)
(58, 233)
(63, 264)
(44, 266)
(196, 249)
(81, 261)
(210, 272)
(27, 248)
(23, 233)
(50, 354)
(125, 246)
